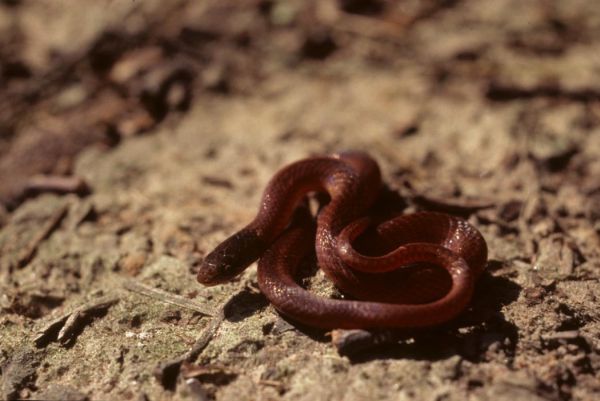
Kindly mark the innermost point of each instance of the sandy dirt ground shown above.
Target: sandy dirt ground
(137, 135)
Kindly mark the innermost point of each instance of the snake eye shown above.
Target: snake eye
(231, 257)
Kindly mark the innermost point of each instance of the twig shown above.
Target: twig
(166, 297)
(56, 184)
(65, 327)
(53, 222)
(205, 338)
(561, 335)
(456, 206)
(167, 372)
(190, 370)
(506, 92)
(380, 29)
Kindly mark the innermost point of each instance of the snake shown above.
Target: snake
(422, 274)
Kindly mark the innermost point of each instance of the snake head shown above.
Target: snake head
(231, 257)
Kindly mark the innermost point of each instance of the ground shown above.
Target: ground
(168, 118)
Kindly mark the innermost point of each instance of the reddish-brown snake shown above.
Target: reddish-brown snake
(403, 288)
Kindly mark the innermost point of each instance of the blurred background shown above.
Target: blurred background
(136, 135)
(96, 72)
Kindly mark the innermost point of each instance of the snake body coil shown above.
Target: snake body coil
(403, 288)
